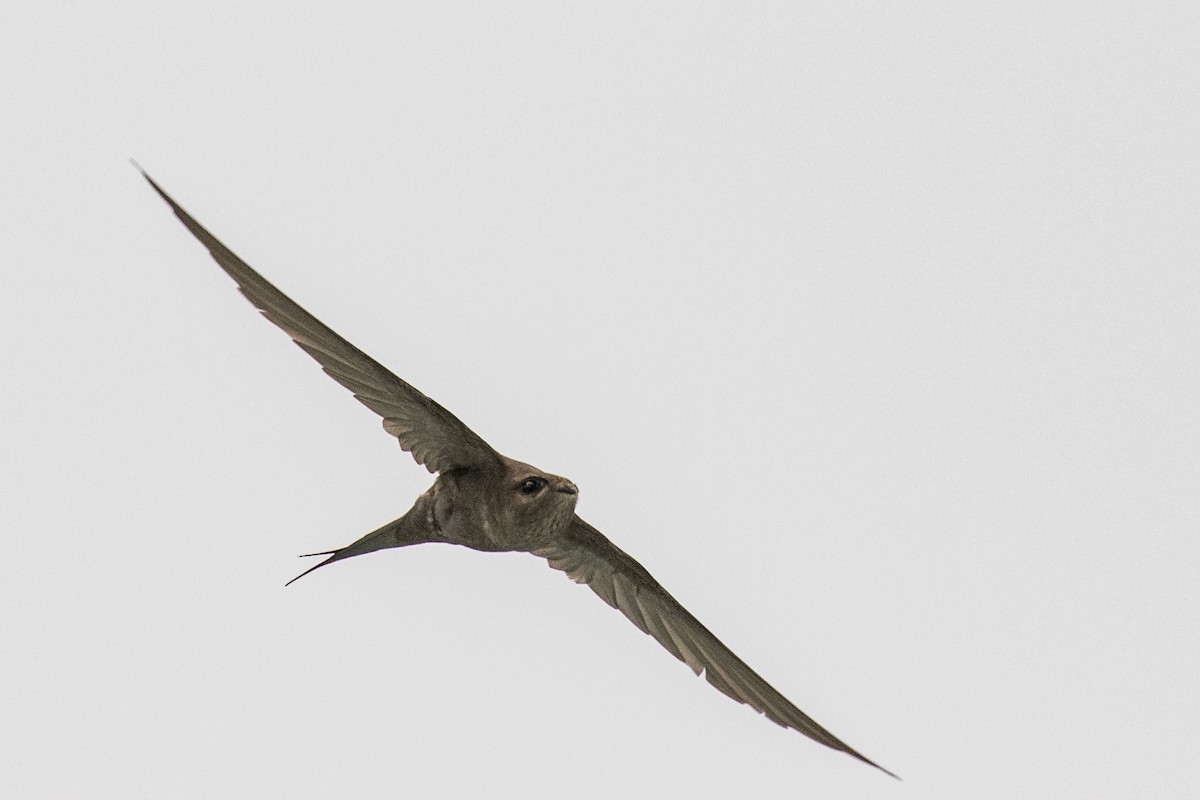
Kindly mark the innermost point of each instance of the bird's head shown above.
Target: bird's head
(537, 501)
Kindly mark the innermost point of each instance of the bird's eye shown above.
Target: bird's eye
(532, 485)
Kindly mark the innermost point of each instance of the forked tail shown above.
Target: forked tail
(397, 533)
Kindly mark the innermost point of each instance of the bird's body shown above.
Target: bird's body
(486, 501)
(483, 509)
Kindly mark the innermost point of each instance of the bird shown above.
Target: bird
(486, 501)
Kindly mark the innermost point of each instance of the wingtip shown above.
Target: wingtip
(884, 770)
(146, 175)
(153, 184)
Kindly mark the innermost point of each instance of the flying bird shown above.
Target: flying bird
(487, 501)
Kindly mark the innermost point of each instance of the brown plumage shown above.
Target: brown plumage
(486, 501)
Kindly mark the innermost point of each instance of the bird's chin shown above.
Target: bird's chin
(561, 512)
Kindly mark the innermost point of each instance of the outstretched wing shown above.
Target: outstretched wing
(588, 557)
(434, 436)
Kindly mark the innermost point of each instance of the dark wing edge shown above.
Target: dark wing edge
(588, 557)
(437, 439)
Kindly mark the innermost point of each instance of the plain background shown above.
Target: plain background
(870, 329)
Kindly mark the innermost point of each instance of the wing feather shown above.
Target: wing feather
(586, 556)
(437, 439)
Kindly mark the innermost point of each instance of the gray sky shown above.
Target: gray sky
(871, 331)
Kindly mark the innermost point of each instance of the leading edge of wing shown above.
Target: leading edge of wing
(588, 557)
(437, 439)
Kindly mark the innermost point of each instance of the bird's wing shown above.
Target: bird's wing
(587, 556)
(434, 436)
